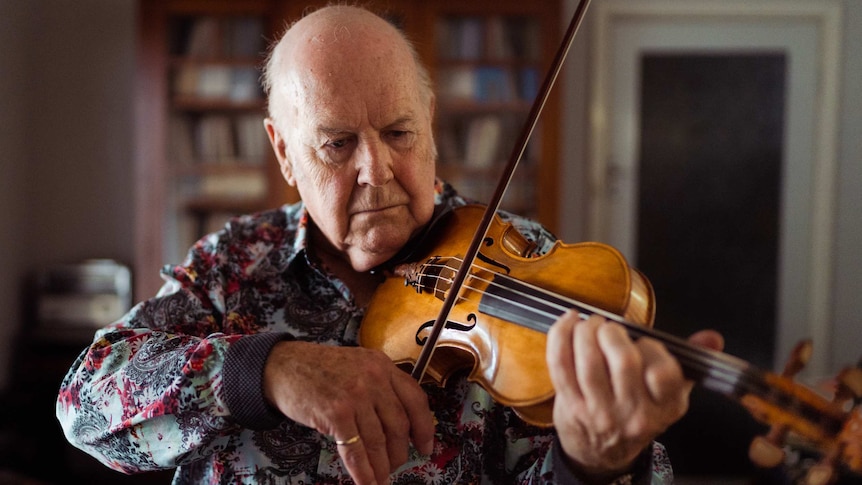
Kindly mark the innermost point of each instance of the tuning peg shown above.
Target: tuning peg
(849, 384)
(820, 474)
(799, 357)
(766, 451)
(823, 473)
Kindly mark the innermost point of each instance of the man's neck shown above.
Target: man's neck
(361, 285)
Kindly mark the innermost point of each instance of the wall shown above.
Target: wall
(66, 118)
(847, 268)
(13, 149)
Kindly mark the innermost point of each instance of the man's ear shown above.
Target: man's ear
(278, 146)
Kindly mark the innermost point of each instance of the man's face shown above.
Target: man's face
(357, 144)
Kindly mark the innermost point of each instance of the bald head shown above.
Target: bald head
(350, 123)
(345, 41)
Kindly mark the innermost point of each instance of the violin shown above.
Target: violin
(498, 325)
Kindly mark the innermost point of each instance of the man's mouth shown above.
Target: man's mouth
(375, 210)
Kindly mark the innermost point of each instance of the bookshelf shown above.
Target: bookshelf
(489, 67)
(201, 152)
(217, 149)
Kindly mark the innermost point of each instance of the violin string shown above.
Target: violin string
(717, 366)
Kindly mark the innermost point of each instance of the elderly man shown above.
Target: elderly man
(245, 369)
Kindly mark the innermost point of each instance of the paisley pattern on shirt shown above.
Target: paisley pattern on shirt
(148, 393)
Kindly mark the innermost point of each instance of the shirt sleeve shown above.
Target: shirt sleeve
(243, 381)
(141, 399)
(151, 391)
(651, 467)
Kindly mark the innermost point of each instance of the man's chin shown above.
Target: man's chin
(375, 249)
(365, 262)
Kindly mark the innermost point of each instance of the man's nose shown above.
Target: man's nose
(374, 163)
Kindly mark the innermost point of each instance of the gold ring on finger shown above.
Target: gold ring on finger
(348, 441)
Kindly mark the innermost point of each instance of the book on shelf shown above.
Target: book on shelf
(448, 146)
(203, 38)
(244, 85)
(496, 38)
(252, 143)
(494, 85)
(522, 35)
(244, 37)
(476, 142)
(214, 139)
(181, 148)
(461, 38)
(243, 185)
(458, 83)
(185, 81)
(471, 36)
(218, 138)
(498, 45)
(209, 82)
(481, 84)
(484, 134)
(213, 37)
(214, 81)
(529, 81)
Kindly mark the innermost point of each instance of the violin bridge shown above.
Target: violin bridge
(412, 274)
(434, 276)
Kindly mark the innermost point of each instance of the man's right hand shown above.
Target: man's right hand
(348, 392)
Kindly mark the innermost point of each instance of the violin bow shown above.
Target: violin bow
(427, 352)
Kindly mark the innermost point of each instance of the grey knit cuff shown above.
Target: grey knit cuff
(639, 474)
(243, 381)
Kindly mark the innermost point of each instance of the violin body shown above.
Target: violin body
(507, 359)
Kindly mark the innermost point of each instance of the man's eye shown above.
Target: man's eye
(337, 144)
(401, 137)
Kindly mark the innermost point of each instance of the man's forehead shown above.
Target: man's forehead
(344, 105)
(355, 118)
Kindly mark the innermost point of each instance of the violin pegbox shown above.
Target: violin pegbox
(842, 450)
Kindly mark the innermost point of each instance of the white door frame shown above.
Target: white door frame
(803, 293)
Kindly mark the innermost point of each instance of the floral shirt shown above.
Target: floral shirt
(176, 383)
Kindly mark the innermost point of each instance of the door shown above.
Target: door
(712, 173)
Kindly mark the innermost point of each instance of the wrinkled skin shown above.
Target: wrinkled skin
(613, 395)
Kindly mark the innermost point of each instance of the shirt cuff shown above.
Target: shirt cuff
(243, 381)
(638, 474)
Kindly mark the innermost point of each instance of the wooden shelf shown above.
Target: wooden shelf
(208, 204)
(203, 104)
(238, 167)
